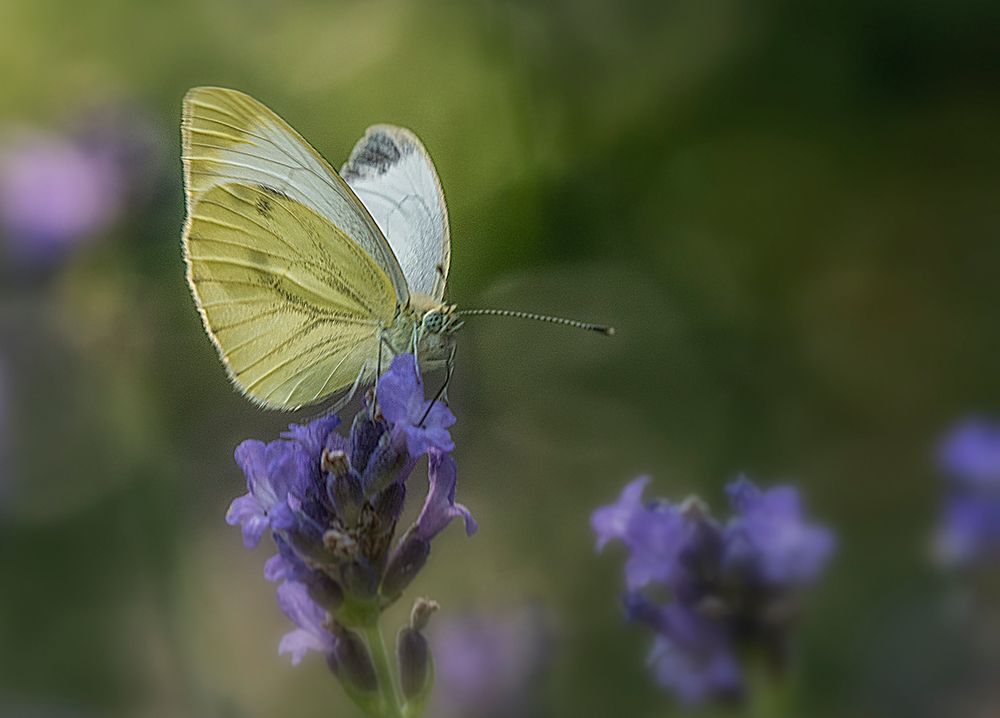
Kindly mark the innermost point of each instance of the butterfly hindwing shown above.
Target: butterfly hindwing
(293, 304)
(393, 175)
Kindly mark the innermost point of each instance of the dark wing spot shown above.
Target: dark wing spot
(378, 153)
(263, 206)
(272, 191)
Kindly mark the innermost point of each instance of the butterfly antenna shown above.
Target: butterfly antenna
(599, 328)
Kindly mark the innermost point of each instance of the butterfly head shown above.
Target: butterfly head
(441, 320)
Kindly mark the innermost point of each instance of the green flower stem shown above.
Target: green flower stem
(386, 684)
(770, 695)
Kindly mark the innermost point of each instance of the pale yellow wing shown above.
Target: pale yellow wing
(230, 137)
(294, 305)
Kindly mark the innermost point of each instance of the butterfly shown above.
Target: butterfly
(306, 279)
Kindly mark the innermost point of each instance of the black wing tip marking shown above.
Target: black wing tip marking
(373, 155)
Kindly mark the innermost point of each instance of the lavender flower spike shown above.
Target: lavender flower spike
(709, 589)
(968, 532)
(332, 504)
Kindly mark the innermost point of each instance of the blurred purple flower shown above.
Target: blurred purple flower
(770, 531)
(331, 503)
(970, 453)
(401, 399)
(693, 656)
(54, 195)
(611, 522)
(718, 586)
(969, 526)
(488, 664)
(652, 532)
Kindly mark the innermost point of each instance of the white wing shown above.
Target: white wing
(393, 175)
(230, 137)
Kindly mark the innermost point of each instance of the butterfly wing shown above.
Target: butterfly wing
(393, 175)
(230, 137)
(293, 304)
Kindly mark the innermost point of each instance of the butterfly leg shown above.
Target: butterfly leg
(416, 357)
(450, 367)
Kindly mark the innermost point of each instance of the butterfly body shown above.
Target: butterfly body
(425, 326)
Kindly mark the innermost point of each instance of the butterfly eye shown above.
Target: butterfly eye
(434, 322)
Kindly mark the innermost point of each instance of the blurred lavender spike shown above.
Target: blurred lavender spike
(968, 532)
(711, 590)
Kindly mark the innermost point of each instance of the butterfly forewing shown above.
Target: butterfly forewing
(230, 137)
(393, 175)
(293, 304)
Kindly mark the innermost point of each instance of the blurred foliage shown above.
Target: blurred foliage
(788, 209)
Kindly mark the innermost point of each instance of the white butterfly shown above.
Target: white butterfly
(305, 282)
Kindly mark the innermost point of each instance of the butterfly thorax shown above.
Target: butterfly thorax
(430, 323)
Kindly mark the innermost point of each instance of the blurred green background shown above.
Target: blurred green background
(788, 209)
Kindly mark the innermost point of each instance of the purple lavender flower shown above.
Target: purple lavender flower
(709, 589)
(54, 195)
(969, 526)
(401, 399)
(970, 453)
(311, 634)
(692, 655)
(440, 507)
(653, 533)
(331, 504)
(487, 664)
(769, 530)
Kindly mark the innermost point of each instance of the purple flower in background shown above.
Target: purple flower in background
(331, 504)
(693, 656)
(488, 665)
(653, 533)
(970, 453)
(769, 530)
(59, 191)
(969, 525)
(708, 588)
(55, 195)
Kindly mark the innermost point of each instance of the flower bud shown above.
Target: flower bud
(413, 656)
(420, 615)
(382, 465)
(335, 462)
(406, 562)
(388, 504)
(352, 663)
(364, 438)
(344, 491)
